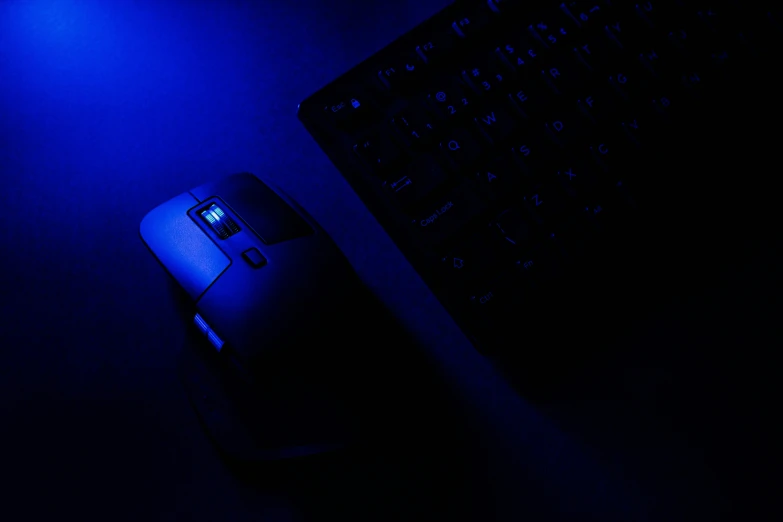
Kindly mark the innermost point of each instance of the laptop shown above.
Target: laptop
(586, 189)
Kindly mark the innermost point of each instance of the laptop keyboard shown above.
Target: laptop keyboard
(500, 143)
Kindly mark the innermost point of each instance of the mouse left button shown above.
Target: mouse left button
(183, 247)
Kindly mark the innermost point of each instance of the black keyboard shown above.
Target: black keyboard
(520, 154)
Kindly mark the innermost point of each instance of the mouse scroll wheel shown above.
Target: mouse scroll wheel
(220, 222)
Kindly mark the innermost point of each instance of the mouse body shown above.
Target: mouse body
(272, 297)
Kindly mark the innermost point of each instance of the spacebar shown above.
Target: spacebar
(446, 216)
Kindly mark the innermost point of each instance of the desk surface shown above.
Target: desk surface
(108, 109)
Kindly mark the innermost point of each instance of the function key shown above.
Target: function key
(655, 14)
(434, 47)
(470, 23)
(402, 75)
(504, 6)
(586, 14)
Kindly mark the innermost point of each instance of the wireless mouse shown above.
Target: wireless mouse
(271, 295)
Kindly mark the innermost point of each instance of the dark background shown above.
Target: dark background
(108, 109)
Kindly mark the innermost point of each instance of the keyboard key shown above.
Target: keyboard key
(636, 128)
(586, 14)
(513, 231)
(576, 179)
(529, 151)
(380, 152)
(663, 108)
(504, 7)
(562, 128)
(529, 102)
(655, 62)
(471, 23)
(547, 116)
(434, 48)
(545, 205)
(416, 125)
(538, 265)
(619, 34)
(403, 75)
(350, 112)
(495, 123)
(656, 14)
(459, 146)
(445, 217)
(498, 179)
(595, 55)
(561, 77)
(683, 41)
(609, 155)
(486, 77)
(450, 101)
(551, 33)
(490, 302)
(597, 105)
(523, 58)
(628, 82)
(469, 263)
(410, 185)
(693, 82)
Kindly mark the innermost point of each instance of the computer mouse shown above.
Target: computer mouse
(271, 298)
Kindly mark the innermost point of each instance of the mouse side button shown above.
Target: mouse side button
(182, 247)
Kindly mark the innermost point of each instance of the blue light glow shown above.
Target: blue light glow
(212, 337)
